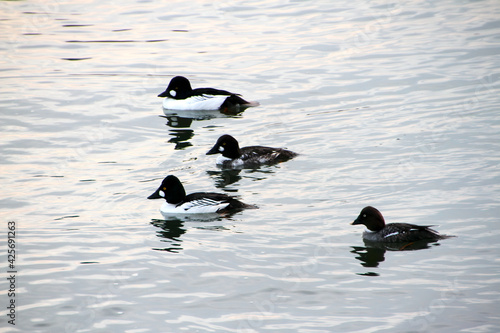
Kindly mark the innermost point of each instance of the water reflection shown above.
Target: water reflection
(181, 138)
(170, 232)
(369, 256)
(172, 228)
(203, 114)
(373, 253)
(225, 177)
(182, 131)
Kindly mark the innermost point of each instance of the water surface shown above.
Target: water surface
(390, 104)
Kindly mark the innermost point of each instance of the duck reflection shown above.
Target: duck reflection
(373, 253)
(369, 256)
(223, 178)
(181, 138)
(172, 228)
(182, 131)
(170, 232)
(202, 114)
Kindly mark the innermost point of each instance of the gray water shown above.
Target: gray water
(391, 104)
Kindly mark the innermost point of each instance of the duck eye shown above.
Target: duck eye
(164, 188)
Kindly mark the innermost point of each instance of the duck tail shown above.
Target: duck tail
(236, 204)
(446, 236)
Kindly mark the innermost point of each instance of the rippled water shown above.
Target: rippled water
(390, 104)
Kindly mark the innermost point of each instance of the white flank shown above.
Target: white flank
(203, 102)
(236, 163)
(201, 206)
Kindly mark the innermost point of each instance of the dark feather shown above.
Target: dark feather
(221, 198)
(274, 155)
(210, 91)
(402, 232)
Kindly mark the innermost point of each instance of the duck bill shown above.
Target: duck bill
(155, 195)
(213, 151)
(356, 221)
(163, 94)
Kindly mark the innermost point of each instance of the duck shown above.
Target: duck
(234, 157)
(180, 96)
(177, 202)
(378, 231)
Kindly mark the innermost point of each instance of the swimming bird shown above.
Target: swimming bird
(234, 157)
(176, 200)
(378, 231)
(180, 96)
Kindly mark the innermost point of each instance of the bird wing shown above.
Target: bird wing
(205, 202)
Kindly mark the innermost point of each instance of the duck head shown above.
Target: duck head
(171, 190)
(227, 146)
(178, 88)
(371, 218)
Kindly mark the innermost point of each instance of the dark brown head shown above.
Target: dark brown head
(371, 218)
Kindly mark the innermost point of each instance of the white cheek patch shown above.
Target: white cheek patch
(161, 193)
(172, 93)
(221, 149)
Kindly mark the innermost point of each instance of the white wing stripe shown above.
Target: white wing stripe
(200, 98)
(204, 202)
